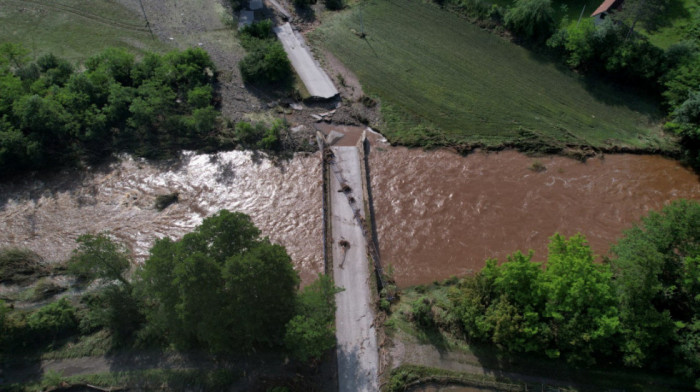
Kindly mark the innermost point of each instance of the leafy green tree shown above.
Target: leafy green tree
(655, 272)
(647, 12)
(686, 117)
(531, 19)
(568, 309)
(680, 81)
(518, 279)
(221, 287)
(99, 257)
(312, 331)
(116, 62)
(114, 306)
(471, 299)
(580, 301)
(12, 56)
(200, 97)
(266, 62)
(262, 284)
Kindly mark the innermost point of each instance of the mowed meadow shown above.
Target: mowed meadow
(74, 29)
(444, 81)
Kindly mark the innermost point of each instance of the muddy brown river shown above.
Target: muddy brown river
(439, 214)
(284, 201)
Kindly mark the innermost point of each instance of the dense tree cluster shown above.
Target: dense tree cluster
(566, 309)
(266, 61)
(641, 308)
(55, 113)
(221, 288)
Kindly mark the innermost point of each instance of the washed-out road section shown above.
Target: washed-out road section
(358, 356)
(314, 77)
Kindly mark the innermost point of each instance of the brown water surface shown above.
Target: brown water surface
(440, 214)
(284, 201)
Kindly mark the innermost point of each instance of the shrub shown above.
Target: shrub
(258, 30)
(45, 289)
(248, 134)
(334, 4)
(163, 201)
(266, 62)
(19, 265)
(311, 332)
(422, 312)
(55, 319)
(531, 19)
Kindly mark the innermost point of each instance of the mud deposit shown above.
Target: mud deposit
(440, 214)
(284, 201)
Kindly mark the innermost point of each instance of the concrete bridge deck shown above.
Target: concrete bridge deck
(358, 355)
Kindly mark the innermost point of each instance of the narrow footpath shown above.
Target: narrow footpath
(358, 356)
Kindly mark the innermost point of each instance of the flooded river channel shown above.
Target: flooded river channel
(440, 214)
(284, 201)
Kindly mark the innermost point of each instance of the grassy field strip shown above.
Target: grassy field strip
(476, 87)
(84, 14)
(74, 29)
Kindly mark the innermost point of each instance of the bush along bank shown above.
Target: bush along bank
(221, 289)
(638, 309)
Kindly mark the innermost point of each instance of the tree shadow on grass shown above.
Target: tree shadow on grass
(614, 94)
(603, 89)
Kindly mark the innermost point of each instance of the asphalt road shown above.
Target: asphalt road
(358, 356)
(314, 77)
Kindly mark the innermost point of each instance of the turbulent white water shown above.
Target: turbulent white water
(283, 199)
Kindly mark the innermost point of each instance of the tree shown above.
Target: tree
(99, 257)
(687, 116)
(312, 331)
(266, 62)
(12, 56)
(656, 281)
(531, 19)
(580, 301)
(646, 12)
(114, 306)
(221, 287)
(567, 310)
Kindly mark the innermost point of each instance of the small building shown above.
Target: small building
(605, 8)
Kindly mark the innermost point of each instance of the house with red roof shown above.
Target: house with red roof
(605, 8)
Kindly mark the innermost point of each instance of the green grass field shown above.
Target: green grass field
(74, 29)
(444, 81)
